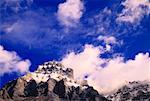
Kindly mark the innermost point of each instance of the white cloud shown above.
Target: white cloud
(108, 47)
(107, 39)
(70, 12)
(116, 72)
(134, 10)
(82, 62)
(11, 62)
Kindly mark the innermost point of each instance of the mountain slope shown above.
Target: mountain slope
(50, 82)
(133, 91)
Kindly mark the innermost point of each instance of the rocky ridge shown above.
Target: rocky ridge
(50, 82)
(133, 91)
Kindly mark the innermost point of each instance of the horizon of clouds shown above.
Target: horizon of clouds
(115, 73)
(10, 62)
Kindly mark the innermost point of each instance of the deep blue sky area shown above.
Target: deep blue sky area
(40, 37)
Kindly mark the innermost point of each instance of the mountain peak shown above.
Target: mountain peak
(54, 67)
(52, 81)
(51, 69)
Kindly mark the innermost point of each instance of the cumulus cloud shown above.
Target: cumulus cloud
(11, 62)
(82, 62)
(115, 73)
(70, 12)
(134, 10)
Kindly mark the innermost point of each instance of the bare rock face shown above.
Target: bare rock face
(19, 87)
(50, 82)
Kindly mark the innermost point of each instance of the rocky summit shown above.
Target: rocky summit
(50, 82)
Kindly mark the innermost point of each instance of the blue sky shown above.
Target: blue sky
(40, 30)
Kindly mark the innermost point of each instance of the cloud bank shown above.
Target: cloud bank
(134, 10)
(107, 75)
(70, 12)
(11, 62)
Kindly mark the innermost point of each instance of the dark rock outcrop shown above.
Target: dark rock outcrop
(60, 89)
(39, 92)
